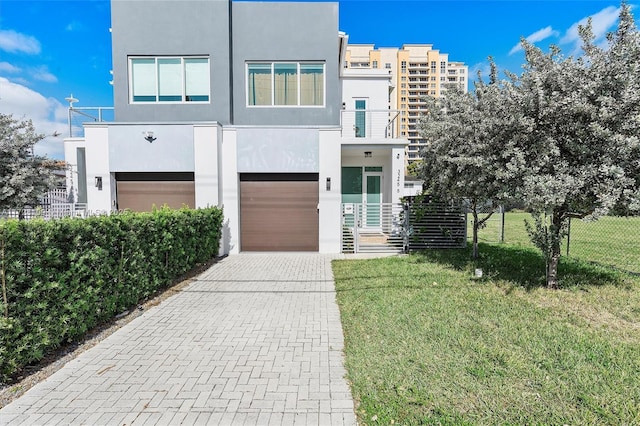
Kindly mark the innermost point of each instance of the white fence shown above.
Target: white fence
(394, 228)
(55, 204)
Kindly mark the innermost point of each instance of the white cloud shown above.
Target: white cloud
(539, 35)
(42, 73)
(74, 26)
(13, 42)
(483, 67)
(8, 68)
(48, 115)
(601, 22)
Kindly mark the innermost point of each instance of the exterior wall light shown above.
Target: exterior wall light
(368, 154)
(148, 136)
(98, 182)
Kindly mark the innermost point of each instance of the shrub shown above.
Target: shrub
(64, 277)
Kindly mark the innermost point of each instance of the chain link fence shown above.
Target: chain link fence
(493, 230)
(610, 240)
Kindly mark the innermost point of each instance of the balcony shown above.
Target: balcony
(372, 124)
(77, 116)
(417, 101)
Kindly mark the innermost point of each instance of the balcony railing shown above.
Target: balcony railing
(80, 115)
(376, 124)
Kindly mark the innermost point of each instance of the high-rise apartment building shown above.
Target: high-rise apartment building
(417, 71)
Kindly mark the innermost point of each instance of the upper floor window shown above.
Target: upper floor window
(285, 84)
(169, 79)
(387, 65)
(375, 64)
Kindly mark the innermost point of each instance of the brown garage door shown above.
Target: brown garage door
(141, 191)
(279, 212)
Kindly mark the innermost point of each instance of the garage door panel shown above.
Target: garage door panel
(279, 216)
(143, 195)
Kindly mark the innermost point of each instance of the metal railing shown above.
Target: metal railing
(368, 228)
(80, 115)
(396, 228)
(436, 225)
(55, 204)
(376, 124)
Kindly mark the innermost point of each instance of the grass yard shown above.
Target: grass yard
(427, 344)
(609, 240)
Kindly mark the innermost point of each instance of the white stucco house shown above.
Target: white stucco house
(224, 107)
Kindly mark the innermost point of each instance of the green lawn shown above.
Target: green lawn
(425, 343)
(609, 240)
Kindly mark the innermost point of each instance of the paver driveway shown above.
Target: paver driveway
(256, 339)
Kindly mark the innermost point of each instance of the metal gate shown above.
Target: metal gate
(372, 228)
(396, 228)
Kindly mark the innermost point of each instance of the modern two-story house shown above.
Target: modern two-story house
(242, 105)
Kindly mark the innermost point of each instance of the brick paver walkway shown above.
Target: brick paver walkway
(255, 340)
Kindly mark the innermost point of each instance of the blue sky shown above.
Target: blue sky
(52, 48)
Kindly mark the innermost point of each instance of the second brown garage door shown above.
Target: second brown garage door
(279, 212)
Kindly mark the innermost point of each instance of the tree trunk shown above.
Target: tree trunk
(552, 266)
(476, 225)
(552, 271)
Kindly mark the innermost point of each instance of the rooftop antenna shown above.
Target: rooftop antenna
(71, 101)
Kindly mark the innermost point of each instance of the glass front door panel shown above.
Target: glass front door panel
(374, 198)
(360, 118)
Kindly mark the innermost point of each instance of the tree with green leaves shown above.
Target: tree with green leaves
(579, 151)
(463, 157)
(24, 177)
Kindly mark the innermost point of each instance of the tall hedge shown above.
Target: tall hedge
(63, 277)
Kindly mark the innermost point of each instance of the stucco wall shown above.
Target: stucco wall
(172, 151)
(277, 150)
(329, 200)
(280, 31)
(175, 28)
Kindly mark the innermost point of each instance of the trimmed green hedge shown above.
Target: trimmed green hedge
(64, 277)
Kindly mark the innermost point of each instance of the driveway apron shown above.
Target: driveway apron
(256, 339)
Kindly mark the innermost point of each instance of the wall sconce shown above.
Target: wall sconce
(98, 182)
(328, 184)
(368, 154)
(397, 156)
(148, 136)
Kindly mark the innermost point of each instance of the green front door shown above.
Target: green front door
(363, 188)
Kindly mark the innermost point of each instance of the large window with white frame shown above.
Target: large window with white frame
(285, 84)
(169, 79)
